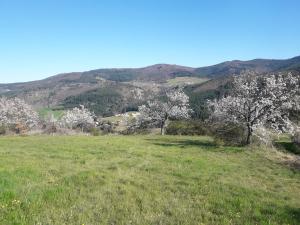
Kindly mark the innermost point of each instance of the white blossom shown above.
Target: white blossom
(15, 111)
(158, 113)
(78, 118)
(259, 101)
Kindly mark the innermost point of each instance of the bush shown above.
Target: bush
(140, 131)
(187, 127)
(50, 128)
(94, 131)
(2, 130)
(296, 138)
(229, 134)
(20, 128)
(106, 126)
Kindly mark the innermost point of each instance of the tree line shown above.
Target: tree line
(254, 106)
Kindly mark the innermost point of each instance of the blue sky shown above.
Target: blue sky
(42, 38)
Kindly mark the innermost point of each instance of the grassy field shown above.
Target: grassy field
(142, 180)
(46, 111)
(186, 80)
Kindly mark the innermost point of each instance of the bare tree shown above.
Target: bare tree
(158, 113)
(258, 101)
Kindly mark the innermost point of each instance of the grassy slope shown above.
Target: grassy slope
(142, 180)
(45, 111)
(186, 80)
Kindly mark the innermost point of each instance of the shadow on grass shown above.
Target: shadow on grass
(294, 161)
(203, 144)
(294, 214)
(288, 146)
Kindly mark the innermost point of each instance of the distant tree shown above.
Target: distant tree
(259, 101)
(78, 118)
(15, 112)
(50, 123)
(50, 98)
(158, 113)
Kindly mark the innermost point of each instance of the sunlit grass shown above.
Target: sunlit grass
(142, 180)
(46, 111)
(186, 80)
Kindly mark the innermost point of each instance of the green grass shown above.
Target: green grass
(289, 146)
(186, 80)
(142, 180)
(285, 143)
(46, 111)
(113, 119)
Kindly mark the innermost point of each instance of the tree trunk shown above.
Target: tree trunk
(162, 131)
(249, 134)
(164, 126)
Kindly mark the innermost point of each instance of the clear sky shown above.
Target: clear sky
(44, 37)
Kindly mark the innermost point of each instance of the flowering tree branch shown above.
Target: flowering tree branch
(159, 113)
(259, 101)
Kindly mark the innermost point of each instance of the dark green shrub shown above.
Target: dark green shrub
(2, 130)
(106, 126)
(94, 131)
(229, 134)
(296, 139)
(141, 131)
(187, 127)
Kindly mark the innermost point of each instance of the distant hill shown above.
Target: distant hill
(109, 91)
(257, 65)
(161, 72)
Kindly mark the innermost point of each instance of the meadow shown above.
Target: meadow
(143, 180)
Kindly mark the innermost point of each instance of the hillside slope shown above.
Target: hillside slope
(256, 65)
(128, 87)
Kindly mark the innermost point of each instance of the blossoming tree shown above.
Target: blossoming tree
(259, 101)
(158, 113)
(15, 112)
(78, 118)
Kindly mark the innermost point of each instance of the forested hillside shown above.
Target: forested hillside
(111, 91)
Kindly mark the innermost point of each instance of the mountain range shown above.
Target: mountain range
(110, 91)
